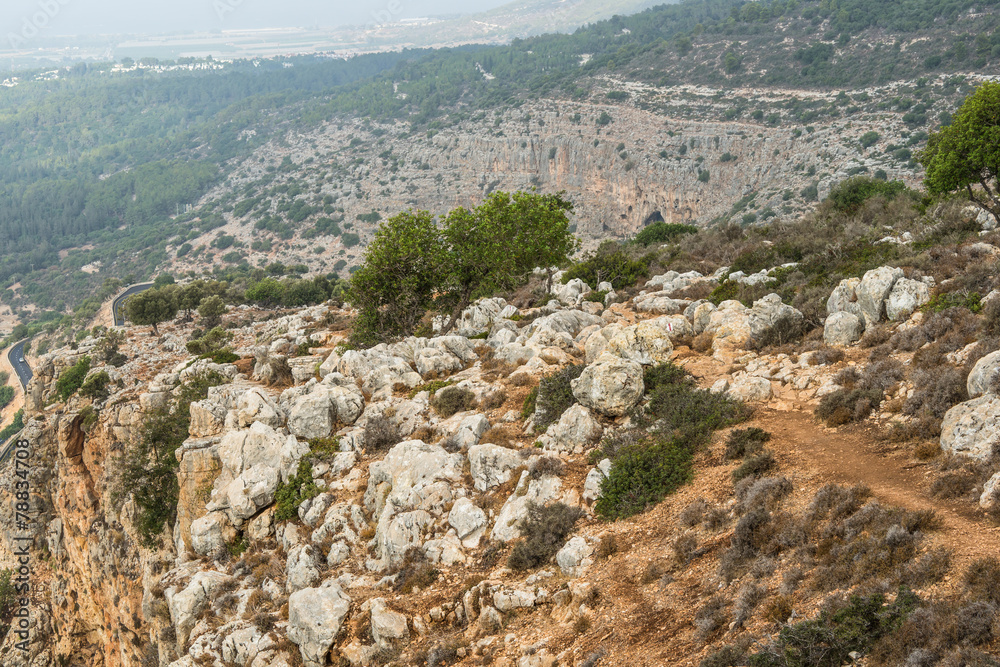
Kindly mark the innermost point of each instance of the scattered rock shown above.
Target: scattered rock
(610, 386)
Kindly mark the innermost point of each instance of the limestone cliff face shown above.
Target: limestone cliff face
(88, 572)
(647, 163)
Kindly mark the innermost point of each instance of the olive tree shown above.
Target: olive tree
(966, 154)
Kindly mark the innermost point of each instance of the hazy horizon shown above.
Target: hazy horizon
(89, 17)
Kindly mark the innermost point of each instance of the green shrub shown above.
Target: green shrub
(727, 290)
(610, 263)
(223, 356)
(555, 395)
(6, 395)
(848, 196)
(451, 400)
(756, 465)
(72, 378)
(213, 341)
(665, 373)
(544, 530)
(290, 495)
(829, 640)
(431, 387)
(848, 405)
(745, 441)
(596, 296)
(96, 386)
(528, 408)
(642, 476)
(90, 417)
(662, 232)
(14, 426)
(693, 413)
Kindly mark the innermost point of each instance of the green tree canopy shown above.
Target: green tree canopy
(152, 307)
(966, 153)
(495, 246)
(395, 284)
(412, 266)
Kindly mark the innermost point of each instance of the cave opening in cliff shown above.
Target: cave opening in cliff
(655, 216)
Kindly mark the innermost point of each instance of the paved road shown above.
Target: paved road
(116, 305)
(21, 367)
(23, 371)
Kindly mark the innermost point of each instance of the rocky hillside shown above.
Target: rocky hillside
(669, 154)
(615, 477)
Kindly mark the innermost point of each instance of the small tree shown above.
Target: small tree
(151, 307)
(494, 247)
(395, 285)
(211, 309)
(966, 153)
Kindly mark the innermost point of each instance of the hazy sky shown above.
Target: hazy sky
(75, 17)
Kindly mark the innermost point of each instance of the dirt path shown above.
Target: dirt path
(856, 456)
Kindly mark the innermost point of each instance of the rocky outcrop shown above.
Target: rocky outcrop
(315, 616)
(610, 386)
(969, 429)
(983, 376)
(842, 328)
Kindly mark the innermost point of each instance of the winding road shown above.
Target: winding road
(16, 358)
(117, 313)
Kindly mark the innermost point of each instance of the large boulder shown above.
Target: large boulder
(970, 428)
(660, 303)
(416, 475)
(574, 556)
(610, 386)
(984, 375)
(250, 492)
(906, 296)
(313, 415)
(469, 522)
(575, 431)
(254, 461)
(315, 616)
(388, 627)
(492, 465)
(480, 316)
(259, 445)
(256, 406)
(873, 290)
(646, 343)
(750, 388)
(211, 533)
(842, 328)
(572, 293)
(768, 311)
(568, 321)
(541, 491)
(188, 603)
(729, 325)
(300, 567)
(844, 298)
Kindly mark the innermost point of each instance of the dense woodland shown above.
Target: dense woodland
(97, 162)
